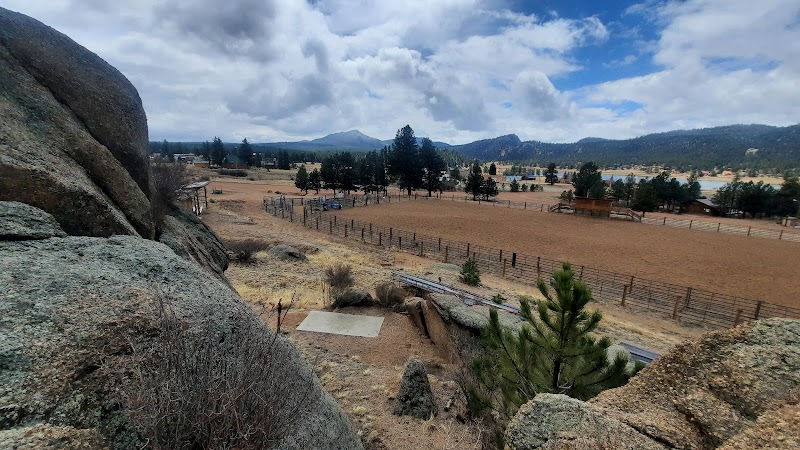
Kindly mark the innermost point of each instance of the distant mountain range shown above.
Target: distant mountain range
(736, 146)
(749, 146)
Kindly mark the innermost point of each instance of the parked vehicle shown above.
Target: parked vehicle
(331, 204)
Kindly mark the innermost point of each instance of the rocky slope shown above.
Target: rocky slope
(722, 391)
(83, 286)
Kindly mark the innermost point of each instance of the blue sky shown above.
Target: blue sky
(455, 70)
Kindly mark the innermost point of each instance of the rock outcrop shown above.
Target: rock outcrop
(19, 221)
(73, 310)
(414, 397)
(74, 135)
(721, 391)
(73, 142)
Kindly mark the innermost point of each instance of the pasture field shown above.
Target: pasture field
(761, 269)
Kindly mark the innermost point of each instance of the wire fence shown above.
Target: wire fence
(681, 303)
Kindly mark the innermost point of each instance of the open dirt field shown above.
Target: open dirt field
(363, 374)
(762, 269)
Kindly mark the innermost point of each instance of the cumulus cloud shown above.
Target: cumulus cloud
(456, 70)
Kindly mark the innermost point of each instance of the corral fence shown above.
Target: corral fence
(685, 304)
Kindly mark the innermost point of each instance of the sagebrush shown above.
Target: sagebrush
(389, 295)
(197, 387)
(339, 278)
(244, 251)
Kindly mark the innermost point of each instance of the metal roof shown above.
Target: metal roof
(195, 185)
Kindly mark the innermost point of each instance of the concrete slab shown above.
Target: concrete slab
(344, 324)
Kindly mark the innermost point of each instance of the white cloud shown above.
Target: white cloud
(456, 70)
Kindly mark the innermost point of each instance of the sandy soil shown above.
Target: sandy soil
(762, 269)
(363, 374)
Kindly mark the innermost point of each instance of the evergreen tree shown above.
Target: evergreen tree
(474, 181)
(787, 199)
(492, 169)
(404, 160)
(315, 180)
(245, 152)
(432, 164)
(514, 186)
(552, 352)
(283, 160)
(217, 151)
(588, 175)
(550, 175)
(489, 188)
(645, 199)
(598, 190)
(617, 191)
(301, 180)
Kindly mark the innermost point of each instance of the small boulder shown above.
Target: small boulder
(286, 253)
(353, 297)
(414, 308)
(415, 397)
(19, 221)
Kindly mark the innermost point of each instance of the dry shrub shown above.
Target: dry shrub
(199, 387)
(389, 295)
(166, 180)
(339, 278)
(244, 251)
(233, 172)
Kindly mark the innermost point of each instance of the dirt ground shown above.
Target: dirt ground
(363, 374)
(762, 269)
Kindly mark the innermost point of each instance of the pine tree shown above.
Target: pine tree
(217, 151)
(315, 180)
(552, 352)
(489, 188)
(404, 160)
(245, 152)
(550, 175)
(586, 178)
(474, 181)
(492, 169)
(301, 180)
(432, 164)
(514, 186)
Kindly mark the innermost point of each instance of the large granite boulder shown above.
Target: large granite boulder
(77, 312)
(721, 391)
(414, 396)
(74, 136)
(73, 142)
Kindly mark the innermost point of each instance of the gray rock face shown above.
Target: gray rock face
(286, 253)
(415, 397)
(704, 394)
(189, 237)
(72, 308)
(20, 221)
(555, 421)
(74, 135)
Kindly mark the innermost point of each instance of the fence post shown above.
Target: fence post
(538, 267)
(780, 236)
(526, 205)
(541, 209)
(664, 222)
(400, 242)
(421, 248)
(580, 277)
(380, 242)
(291, 216)
(362, 234)
(440, 244)
(690, 224)
(624, 294)
(467, 250)
(675, 308)
(317, 223)
(738, 317)
(748, 229)
(501, 254)
(445, 253)
(688, 297)
(758, 310)
(513, 259)
(504, 267)
(718, 224)
(390, 236)
(330, 224)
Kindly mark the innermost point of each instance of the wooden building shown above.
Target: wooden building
(593, 206)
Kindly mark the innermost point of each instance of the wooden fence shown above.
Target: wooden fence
(681, 303)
